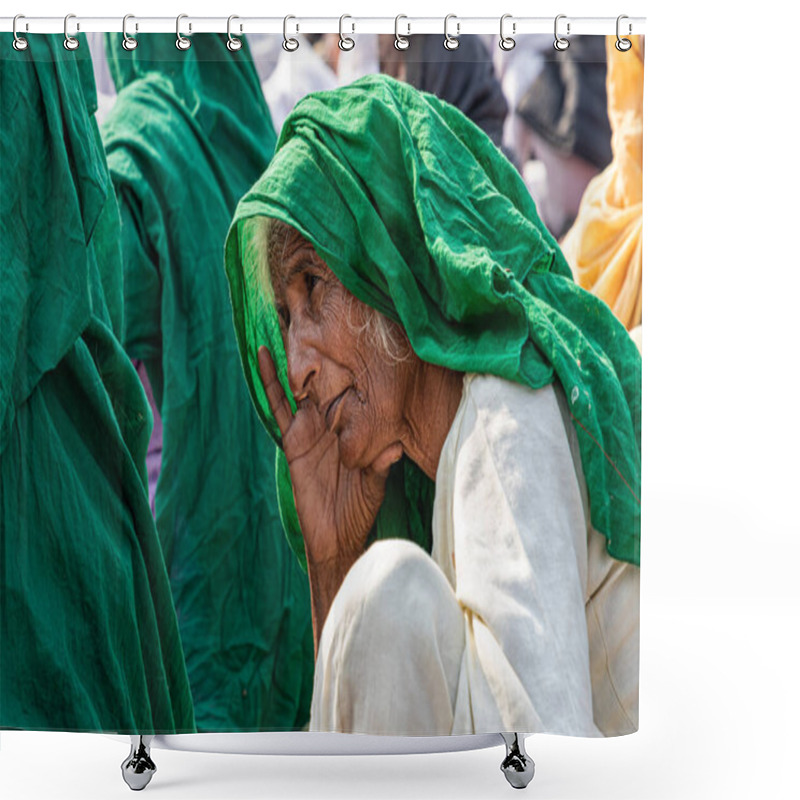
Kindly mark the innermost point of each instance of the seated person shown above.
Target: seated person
(414, 341)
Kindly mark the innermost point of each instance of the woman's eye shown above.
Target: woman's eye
(283, 315)
(311, 281)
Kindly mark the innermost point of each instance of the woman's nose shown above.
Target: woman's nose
(302, 361)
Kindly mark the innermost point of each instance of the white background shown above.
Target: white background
(721, 537)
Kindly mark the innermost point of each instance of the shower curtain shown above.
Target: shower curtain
(320, 385)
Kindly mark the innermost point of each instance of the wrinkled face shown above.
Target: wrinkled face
(333, 362)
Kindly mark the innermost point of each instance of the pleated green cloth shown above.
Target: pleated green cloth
(188, 135)
(88, 633)
(421, 217)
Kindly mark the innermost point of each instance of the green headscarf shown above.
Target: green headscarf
(88, 632)
(187, 136)
(420, 216)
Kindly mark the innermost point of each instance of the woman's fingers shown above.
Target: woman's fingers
(276, 397)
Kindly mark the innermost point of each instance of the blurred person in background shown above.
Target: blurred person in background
(187, 135)
(604, 246)
(464, 77)
(568, 140)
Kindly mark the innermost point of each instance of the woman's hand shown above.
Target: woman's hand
(336, 506)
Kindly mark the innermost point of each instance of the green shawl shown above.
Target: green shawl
(421, 217)
(187, 136)
(88, 633)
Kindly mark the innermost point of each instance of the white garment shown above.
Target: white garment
(295, 75)
(304, 70)
(104, 84)
(520, 621)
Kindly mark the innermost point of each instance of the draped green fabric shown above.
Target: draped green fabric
(421, 217)
(88, 633)
(189, 133)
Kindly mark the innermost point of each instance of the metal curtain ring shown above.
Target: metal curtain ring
(507, 42)
(19, 43)
(233, 44)
(289, 45)
(128, 42)
(560, 43)
(345, 42)
(401, 42)
(623, 45)
(182, 43)
(451, 42)
(70, 42)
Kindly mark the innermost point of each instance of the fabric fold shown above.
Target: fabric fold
(189, 133)
(88, 632)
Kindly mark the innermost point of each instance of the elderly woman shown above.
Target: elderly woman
(413, 340)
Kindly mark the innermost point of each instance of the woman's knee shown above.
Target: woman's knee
(391, 649)
(395, 596)
(397, 579)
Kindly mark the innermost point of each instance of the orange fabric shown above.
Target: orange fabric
(604, 246)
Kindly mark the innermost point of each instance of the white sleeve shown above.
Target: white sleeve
(510, 534)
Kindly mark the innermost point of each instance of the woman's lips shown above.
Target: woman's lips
(331, 413)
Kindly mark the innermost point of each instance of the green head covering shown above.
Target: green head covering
(421, 217)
